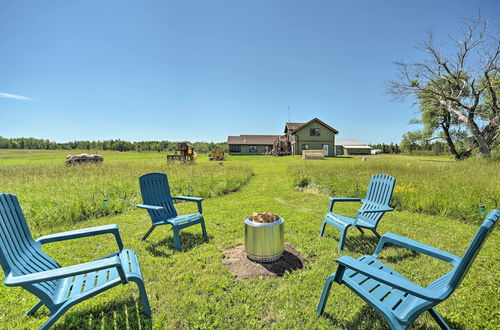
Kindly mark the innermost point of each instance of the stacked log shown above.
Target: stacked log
(84, 159)
(266, 217)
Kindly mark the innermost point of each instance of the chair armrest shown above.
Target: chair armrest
(64, 272)
(190, 199)
(387, 209)
(397, 282)
(415, 246)
(85, 232)
(149, 207)
(345, 199)
(342, 199)
(198, 201)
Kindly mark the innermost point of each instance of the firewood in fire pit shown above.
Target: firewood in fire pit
(265, 217)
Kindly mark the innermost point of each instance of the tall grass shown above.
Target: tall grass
(437, 187)
(59, 195)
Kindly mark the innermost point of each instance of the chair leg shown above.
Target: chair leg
(376, 234)
(361, 230)
(324, 294)
(343, 234)
(53, 318)
(143, 295)
(34, 309)
(322, 231)
(177, 239)
(439, 319)
(203, 229)
(148, 232)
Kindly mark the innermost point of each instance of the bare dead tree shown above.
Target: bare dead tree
(472, 81)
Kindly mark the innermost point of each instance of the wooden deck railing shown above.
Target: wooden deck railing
(313, 154)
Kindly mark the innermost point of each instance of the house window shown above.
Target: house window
(315, 132)
(305, 147)
(252, 149)
(235, 148)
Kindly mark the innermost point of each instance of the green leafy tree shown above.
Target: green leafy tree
(458, 89)
(438, 124)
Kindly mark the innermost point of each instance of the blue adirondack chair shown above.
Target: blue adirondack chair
(374, 206)
(158, 202)
(58, 288)
(399, 300)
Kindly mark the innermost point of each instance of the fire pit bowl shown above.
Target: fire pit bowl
(264, 242)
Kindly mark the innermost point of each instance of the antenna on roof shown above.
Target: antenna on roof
(289, 113)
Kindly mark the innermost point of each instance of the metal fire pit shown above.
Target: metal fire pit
(264, 242)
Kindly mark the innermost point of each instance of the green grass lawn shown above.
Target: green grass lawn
(191, 289)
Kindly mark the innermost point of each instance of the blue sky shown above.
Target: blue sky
(203, 70)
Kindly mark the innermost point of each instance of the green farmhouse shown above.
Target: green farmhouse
(313, 135)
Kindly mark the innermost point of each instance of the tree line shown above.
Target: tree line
(116, 145)
(408, 145)
(387, 148)
(413, 146)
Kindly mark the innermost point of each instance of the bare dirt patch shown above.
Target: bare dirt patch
(243, 268)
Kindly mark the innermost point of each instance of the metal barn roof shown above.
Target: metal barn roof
(350, 143)
(357, 147)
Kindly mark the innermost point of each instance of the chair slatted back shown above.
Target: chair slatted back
(155, 190)
(19, 253)
(379, 195)
(477, 242)
(450, 281)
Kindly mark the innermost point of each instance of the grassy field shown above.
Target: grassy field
(191, 288)
(54, 194)
(432, 185)
(57, 157)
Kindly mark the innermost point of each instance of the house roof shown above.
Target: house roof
(290, 127)
(357, 147)
(350, 143)
(294, 127)
(252, 139)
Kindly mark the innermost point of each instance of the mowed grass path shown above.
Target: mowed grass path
(191, 289)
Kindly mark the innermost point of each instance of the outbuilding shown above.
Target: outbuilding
(352, 147)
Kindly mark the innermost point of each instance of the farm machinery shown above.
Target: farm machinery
(217, 155)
